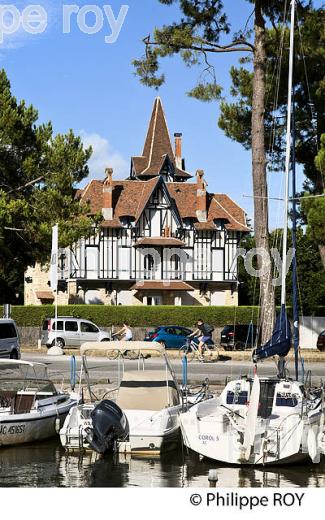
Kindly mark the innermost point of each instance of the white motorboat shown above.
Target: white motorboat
(31, 409)
(150, 400)
(261, 421)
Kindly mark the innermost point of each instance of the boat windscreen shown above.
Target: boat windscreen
(147, 390)
(9, 371)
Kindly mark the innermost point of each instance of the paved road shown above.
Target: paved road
(102, 369)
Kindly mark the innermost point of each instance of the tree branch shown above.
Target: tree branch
(207, 46)
(31, 183)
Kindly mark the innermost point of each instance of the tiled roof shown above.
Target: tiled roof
(44, 295)
(236, 214)
(219, 207)
(152, 285)
(157, 147)
(160, 241)
(130, 198)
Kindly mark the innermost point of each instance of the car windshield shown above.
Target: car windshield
(228, 328)
(156, 330)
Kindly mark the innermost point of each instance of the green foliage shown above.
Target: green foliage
(311, 275)
(38, 174)
(235, 118)
(202, 23)
(105, 316)
(314, 208)
(206, 92)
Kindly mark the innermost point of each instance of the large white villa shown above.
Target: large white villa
(163, 240)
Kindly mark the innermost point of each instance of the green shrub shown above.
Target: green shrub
(137, 316)
(141, 316)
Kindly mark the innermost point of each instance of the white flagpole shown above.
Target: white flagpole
(54, 273)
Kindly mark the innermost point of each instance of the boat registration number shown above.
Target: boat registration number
(15, 429)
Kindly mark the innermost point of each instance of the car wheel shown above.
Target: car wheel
(14, 354)
(105, 339)
(58, 342)
(239, 345)
(163, 344)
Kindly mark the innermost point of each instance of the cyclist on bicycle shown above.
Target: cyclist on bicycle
(204, 333)
(125, 332)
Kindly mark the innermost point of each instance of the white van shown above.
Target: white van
(9, 339)
(71, 332)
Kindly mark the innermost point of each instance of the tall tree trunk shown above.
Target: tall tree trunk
(322, 253)
(259, 173)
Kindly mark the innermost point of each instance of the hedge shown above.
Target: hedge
(140, 316)
(136, 316)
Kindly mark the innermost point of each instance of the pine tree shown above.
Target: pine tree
(38, 174)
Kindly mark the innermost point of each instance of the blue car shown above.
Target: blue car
(171, 336)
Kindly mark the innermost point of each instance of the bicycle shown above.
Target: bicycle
(191, 350)
(126, 354)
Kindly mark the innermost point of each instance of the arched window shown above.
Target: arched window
(149, 264)
(175, 267)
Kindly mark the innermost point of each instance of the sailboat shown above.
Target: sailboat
(263, 421)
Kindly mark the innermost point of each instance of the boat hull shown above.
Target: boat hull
(150, 432)
(33, 426)
(215, 440)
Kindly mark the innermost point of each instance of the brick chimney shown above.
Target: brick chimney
(178, 151)
(201, 197)
(107, 210)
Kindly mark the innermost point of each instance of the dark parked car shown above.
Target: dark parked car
(170, 336)
(238, 337)
(321, 341)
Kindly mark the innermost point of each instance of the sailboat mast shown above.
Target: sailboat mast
(294, 241)
(288, 156)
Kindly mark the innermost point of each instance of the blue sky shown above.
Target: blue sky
(78, 81)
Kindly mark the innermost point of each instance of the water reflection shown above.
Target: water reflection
(46, 465)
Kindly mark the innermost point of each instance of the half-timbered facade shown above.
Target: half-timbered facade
(163, 238)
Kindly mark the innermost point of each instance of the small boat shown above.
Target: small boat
(260, 421)
(31, 409)
(149, 404)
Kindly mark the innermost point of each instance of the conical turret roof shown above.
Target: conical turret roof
(157, 147)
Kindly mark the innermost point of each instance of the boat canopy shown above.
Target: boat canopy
(147, 390)
(109, 346)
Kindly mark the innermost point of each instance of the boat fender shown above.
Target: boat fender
(312, 446)
(57, 424)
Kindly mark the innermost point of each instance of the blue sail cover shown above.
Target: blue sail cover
(280, 342)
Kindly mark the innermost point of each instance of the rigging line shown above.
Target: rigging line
(278, 79)
(281, 199)
(311, 104)
(275, 126)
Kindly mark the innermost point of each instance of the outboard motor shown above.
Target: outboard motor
(109, 425)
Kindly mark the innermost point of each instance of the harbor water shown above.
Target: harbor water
(47, 465)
